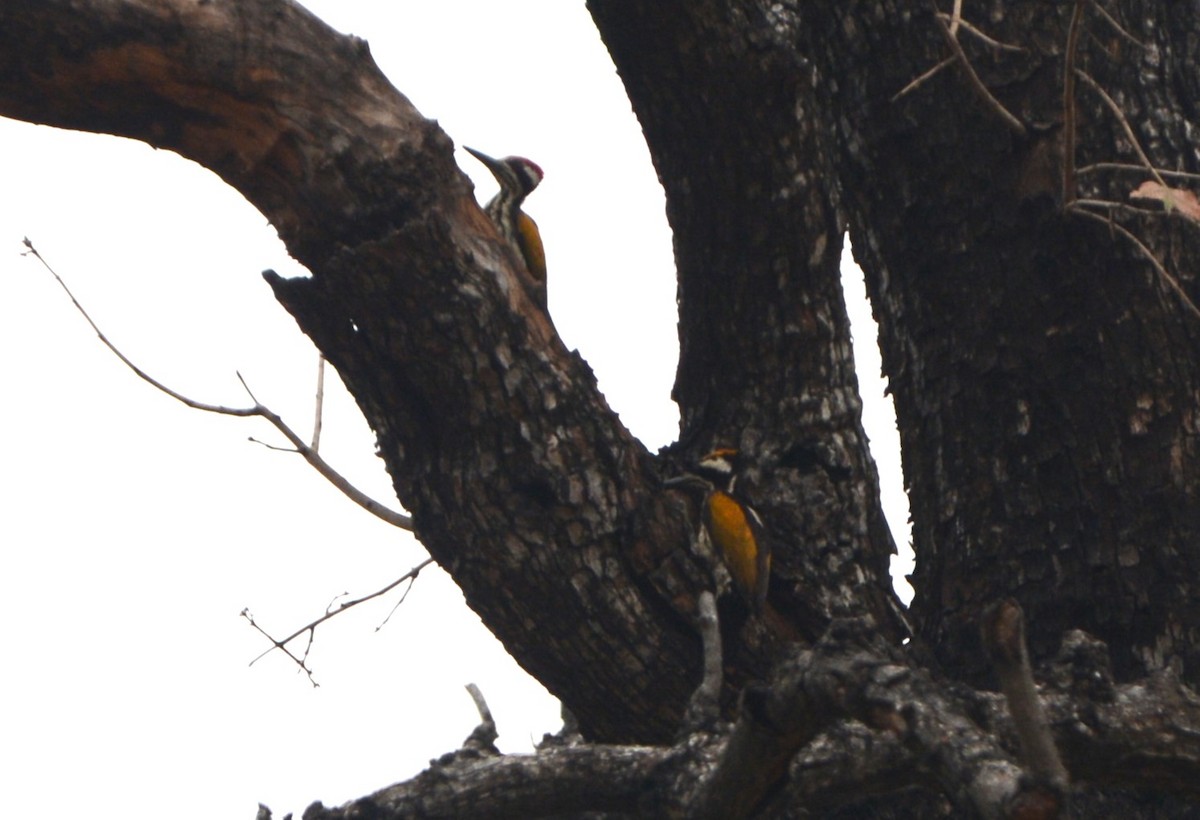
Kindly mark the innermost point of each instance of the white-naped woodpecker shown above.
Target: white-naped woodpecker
(517, 177)
(733, 526)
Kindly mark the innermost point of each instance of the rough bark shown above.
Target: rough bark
(908, 732)
(1042, 367)
(725, 101)
(521, 481)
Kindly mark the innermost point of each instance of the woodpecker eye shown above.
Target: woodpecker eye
(531, 170)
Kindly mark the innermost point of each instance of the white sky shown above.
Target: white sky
(133, 530)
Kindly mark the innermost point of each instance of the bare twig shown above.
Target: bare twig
(1116, 109)
(1163, 273)
(331, 611)
(319, 408)
(1004, 639)
(300, 662)
(331, 475)
(956, 17)
(1068, 184)
(401, 599)
(955, 22)
(277, 448)
(920, 80)
(1111, 207)
(1131, 167)
(995, 105)
(1112, 21)
(309, 454)
(143, 375)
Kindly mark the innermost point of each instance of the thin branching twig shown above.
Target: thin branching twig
(308, 453)
(978, 32)
(1080, 207)
(1120, 115)
(300, 662)
(1163, 273)
(331, 611)
(1112, 21)
(977, 84)
(1111, 207)
(921, 79)
(1131, 167)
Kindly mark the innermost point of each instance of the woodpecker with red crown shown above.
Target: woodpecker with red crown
(517, 177)
(733, 526)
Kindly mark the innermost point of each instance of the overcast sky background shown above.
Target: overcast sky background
(134, 530)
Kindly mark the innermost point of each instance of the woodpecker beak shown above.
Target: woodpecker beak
(491, 163)
(687, 481)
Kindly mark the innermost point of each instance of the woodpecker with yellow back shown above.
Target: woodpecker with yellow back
(733, 526)
(517, 177)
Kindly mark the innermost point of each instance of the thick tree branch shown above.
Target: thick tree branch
(760, 296)
(552, 782)
(522, 482)
(847, 720)
(860, 676)
(548, 514)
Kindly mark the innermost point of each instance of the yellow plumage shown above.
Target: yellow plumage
(733, 527)
(529, 239)
(735, 531)
(517, 177)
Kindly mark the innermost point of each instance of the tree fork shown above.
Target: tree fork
(410, 290)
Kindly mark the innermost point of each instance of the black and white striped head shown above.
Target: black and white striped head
(715, 471)
(517, 176)
(719, 467)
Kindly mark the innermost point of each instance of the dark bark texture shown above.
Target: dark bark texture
(1044, 374)
(1037, 328)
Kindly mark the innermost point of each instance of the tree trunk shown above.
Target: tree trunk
(1044, 372)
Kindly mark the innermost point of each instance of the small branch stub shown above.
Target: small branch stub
(704, 708)
(483, 738)
(1004, 640)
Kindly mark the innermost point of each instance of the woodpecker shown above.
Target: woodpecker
(517, 177)
(733, 526)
